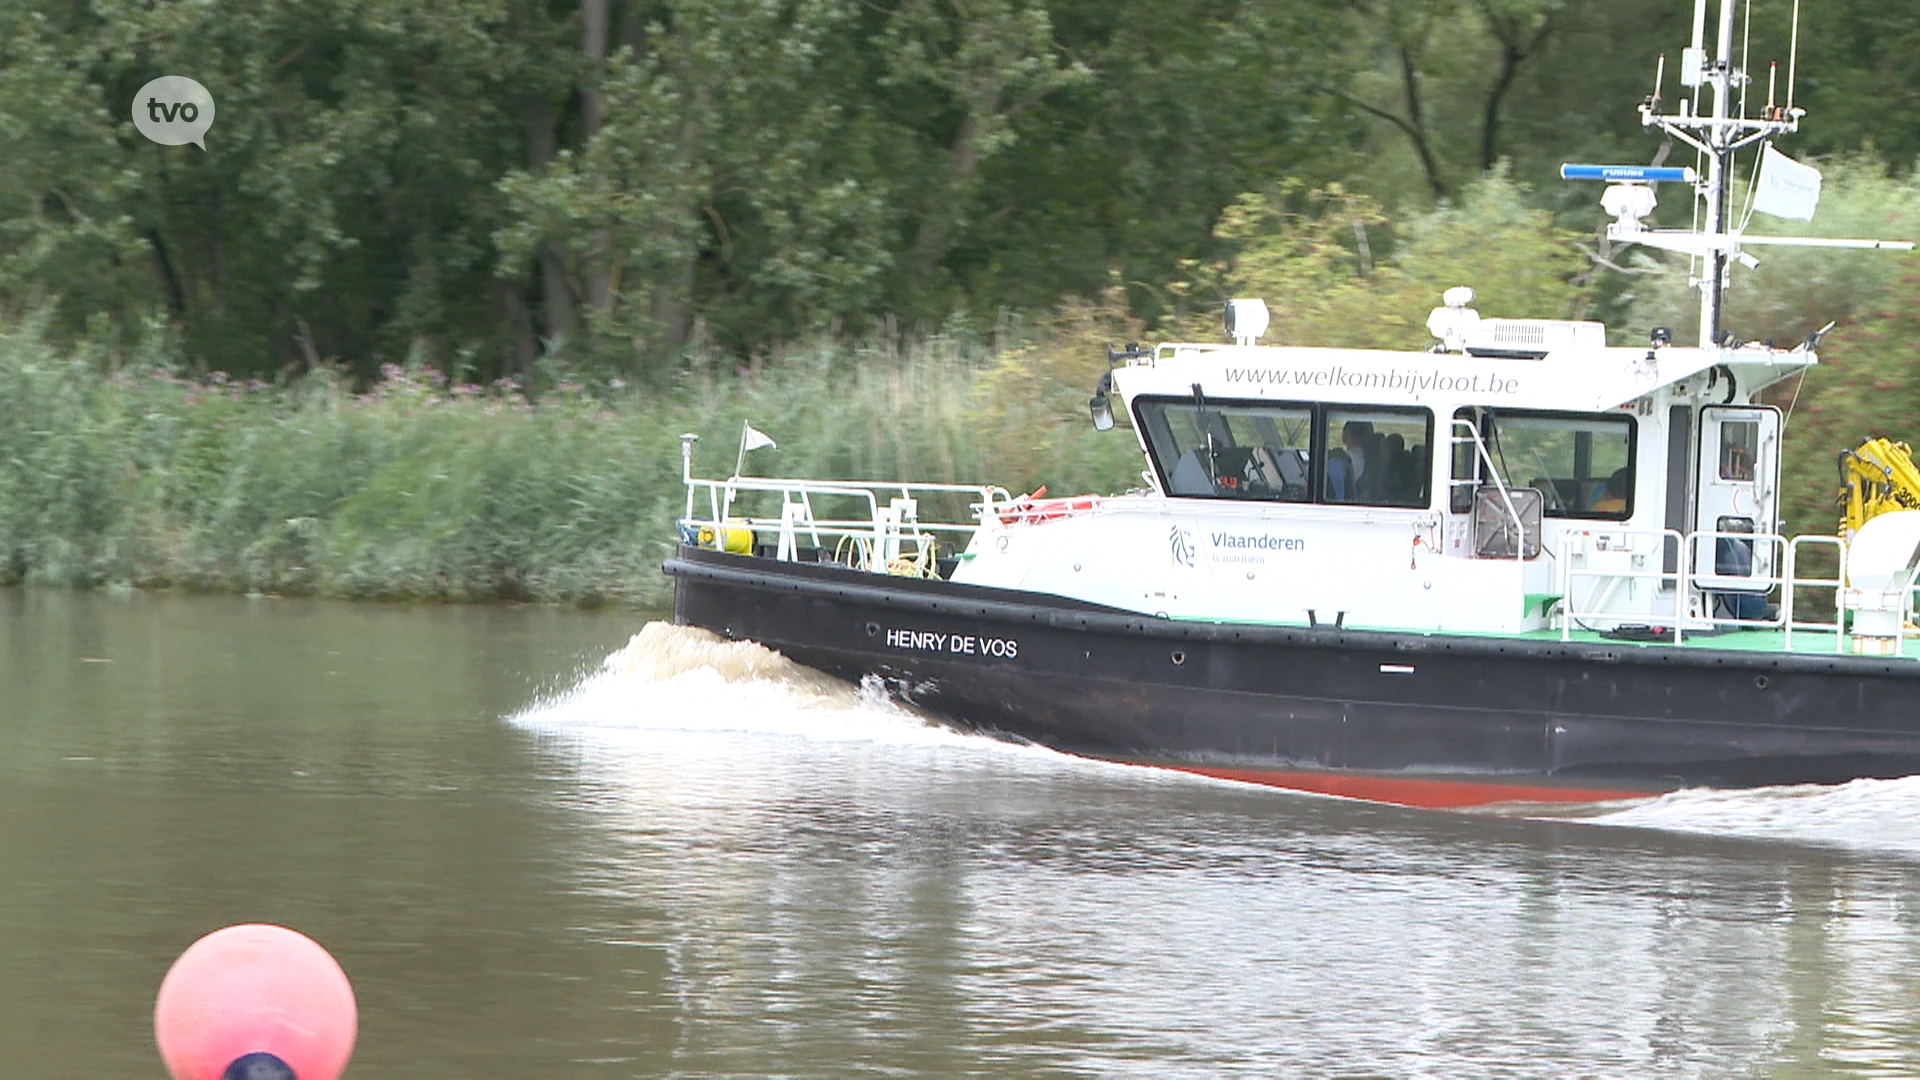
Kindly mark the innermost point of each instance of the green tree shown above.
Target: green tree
(1453, 87)
(480, 182)
(786, 167)
(345, 203)
(1859, 75)
(772, 165)
(1315, 268)
(1124, 176)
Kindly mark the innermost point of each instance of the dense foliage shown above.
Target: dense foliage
(482, 184)
(304, 359)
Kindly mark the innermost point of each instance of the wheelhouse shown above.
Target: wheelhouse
(1521, 476)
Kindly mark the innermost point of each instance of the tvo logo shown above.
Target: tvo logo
(174, 110)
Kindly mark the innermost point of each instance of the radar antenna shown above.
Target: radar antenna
(1717, 135)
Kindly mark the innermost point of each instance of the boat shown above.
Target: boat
(1513, 564)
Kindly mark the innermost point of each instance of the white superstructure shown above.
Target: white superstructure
(1388, 489)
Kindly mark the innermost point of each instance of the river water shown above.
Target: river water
(545, 845)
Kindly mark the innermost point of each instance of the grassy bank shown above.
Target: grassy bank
(116, 469)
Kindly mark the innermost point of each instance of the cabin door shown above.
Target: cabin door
(1738, 491)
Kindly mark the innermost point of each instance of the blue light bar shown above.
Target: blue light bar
(1627, 172)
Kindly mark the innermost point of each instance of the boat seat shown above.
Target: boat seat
(1373, 477)
(1418, 460)
(1339, 476)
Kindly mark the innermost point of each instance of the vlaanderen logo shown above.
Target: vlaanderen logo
(174, 110)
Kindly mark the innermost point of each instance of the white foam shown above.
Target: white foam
(1868, 815)
(681, 679)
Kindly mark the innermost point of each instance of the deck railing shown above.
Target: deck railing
(1837, 583)
(1631, 555)
(884, 528)
(1628, 555)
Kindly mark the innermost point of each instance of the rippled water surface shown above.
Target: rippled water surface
(541, 849)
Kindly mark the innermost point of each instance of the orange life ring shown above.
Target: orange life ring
(1032, 510)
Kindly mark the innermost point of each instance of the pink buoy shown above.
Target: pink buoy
(255, 1002)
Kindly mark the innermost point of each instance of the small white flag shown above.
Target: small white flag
(1787, 188)
(754, 439)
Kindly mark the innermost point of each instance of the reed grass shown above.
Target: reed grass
(118, 469)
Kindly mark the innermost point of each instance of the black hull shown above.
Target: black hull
(1407, 718)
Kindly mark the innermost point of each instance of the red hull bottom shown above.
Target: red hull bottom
(1423, 792)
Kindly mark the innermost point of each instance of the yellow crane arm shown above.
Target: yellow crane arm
(1876, 478)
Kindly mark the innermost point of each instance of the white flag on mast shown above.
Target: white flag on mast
(1786, 188)
(753, 439)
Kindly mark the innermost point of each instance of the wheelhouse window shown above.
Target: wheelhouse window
(1582, 463)
(1289, 452)
(1230, 451)
(1378, 456)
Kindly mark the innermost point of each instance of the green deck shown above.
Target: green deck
(1809, 642)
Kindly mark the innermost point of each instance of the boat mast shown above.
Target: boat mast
(1717, 136)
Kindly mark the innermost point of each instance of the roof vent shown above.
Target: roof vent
(1532, 339)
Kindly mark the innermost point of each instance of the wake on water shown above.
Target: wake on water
(1869, 816)
(674, 679)
(682, 679)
